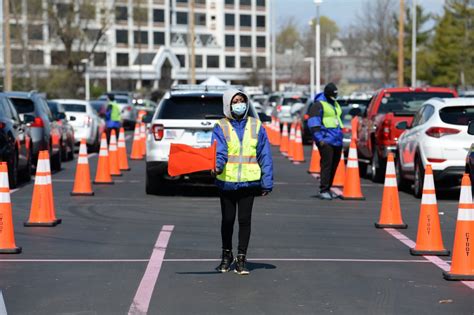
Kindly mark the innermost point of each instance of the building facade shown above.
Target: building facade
(147, 42)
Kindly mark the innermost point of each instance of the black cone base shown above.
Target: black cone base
(391, 226)
(454, 277)
(443, 252)
(82, 194)
(102, 183)
(15, 250)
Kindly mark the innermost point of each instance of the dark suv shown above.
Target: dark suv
(15, 142)
(45, 131)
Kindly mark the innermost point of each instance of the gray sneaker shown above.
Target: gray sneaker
(335, 195)
(325, 196)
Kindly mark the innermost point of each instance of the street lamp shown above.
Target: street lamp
(311, 60)
(108, 35)
(86, 77)
(413, 47)
(317, 52)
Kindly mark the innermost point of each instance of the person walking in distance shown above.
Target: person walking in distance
(244, 169)
(112, 116)
(326, 127)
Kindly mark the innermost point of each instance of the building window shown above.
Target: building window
(57, 57)
(158, 38)
(261, 62)
(182, 18)
(158, 16)
(140, 37)
(198, 61)
(246, 62)
(35, 32)
(17, 57)
(230, 62)
(36, 57)
(260, 3)
(213, 61)
(245, 41)
(245, 2)
(181, 1)
(229, 20)
(200, 19)
(121, 36)
(200, 1)
(261, 41)
(122, 59)
(245, 20)
(121, 14)
(231, 2)
(140, 15)
(100, 59)
(86, 11)
(182, 60)
(260, 21)
(229, 41)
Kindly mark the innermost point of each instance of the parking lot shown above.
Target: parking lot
(122, 251)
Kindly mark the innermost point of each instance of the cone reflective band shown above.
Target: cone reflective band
(291, 146)
(298, 153)
(122, 152)
(429, 240)
(7, 234)
(82, 182)
(390, 213)
(340, 175)
(284, 140)
(113, 155)
(462, 262)
(102, 176)
(136, 154)
(352, 190)
(315, 166)
(143, 138)
(42, 212)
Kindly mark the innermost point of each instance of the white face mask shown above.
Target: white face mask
(239, 108)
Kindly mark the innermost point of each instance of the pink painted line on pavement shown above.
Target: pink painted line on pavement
(443, 265)
(305, 260)
(142, 298)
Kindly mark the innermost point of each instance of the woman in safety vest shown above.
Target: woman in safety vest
(244, 169)
(112, 116)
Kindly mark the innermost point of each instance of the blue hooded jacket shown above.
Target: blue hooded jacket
(332, 136)
(264, 154)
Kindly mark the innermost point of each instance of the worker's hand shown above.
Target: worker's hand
(266, 192)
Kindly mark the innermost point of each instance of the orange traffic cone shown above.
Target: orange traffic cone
(315, 166)
(143, 138)
(277, 132)
(291, 144)
(82, 183)
(7, 234)
(102, 175)
(113, 155)
(136, 152)
(352, 190)
(340, 175)
(354, 127)
(271, 131)
(284, 140)
(122, 152)
(42, 212)
(298, 155)
(429, 240)
(462, 262)
(390, 213)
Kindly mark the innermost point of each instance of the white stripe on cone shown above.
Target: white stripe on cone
(83, 149)
(466, 214)
(428, 199)
(5, 197)
(82, 160)
(4, 180)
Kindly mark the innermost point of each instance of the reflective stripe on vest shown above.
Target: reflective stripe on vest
(331, 115)
(242, 164)
(115, 112)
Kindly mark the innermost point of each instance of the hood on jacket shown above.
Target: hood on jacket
(227, 99)
(320, 97)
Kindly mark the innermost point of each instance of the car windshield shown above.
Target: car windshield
(122, 100)
(407, 101)
(77, 108)
(23, 105)
(458, 115)
(293, 100)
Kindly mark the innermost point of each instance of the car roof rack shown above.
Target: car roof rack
(204, 88)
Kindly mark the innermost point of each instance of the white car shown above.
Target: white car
(187, 117)
(438, 136)
(87, 123)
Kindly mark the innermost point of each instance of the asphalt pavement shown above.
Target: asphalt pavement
(125, 252)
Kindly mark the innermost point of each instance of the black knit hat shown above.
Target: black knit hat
(330, 90)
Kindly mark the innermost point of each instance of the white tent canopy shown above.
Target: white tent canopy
(213, 81)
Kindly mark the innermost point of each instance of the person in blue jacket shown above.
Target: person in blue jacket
(244, 169)
(326, 127)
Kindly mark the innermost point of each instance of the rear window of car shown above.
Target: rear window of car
(293, 100)
(23, 105)
(458, 115)
(191, 108)
(77, 108)
(122, 100)
(273, 98)
(407, 101)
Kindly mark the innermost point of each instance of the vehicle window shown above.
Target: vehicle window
(12, 109)
(407, 101)
(418, 117)
(53, 106)
(122, 100)
(274, 99)
(427, 113)
(3, 109)
(77, 108)
(458, 115)
(292, 100)
(192, 108)
(44, 104)
(23, 105)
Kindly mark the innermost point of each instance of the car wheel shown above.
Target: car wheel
(156, 185)
(13, 171)
(419, 177)
(376, 169)
(70, 155)
(26, 173)
(56, 162)
(63, 150)
(402, 183)
(363, 169)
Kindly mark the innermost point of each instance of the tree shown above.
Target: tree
(453, 45)
(329, 31)
(288, 37)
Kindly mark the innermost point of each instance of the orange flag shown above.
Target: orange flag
(185, 159)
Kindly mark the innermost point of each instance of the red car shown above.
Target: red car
(377, 130)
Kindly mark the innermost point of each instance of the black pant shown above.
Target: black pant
(109, 132)
(330, 157)
(230, 202)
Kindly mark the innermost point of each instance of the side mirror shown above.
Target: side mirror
(355, 112)
(72, 118)
(60, 116)
(28, 119)
(264, 117)
(403, 125)
(470, 128)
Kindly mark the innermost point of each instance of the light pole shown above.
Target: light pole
(87, 78)
(413, 47)
(109, 61)
(318, 47)
(311, 60)
(273, 46)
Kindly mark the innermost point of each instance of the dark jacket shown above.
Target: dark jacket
(332, 136)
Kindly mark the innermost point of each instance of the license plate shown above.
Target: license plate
(203, 137)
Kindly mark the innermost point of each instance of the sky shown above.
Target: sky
(344, 12)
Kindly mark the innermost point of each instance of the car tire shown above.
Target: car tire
(156, 185)
(70, 155)
(402, 183)
(63, 150)
(363, 169)
(376, 168)
(418, 179)
(56, 162)
(13, 171)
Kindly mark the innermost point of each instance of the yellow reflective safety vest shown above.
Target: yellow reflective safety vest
(242, 164)
(331, 115)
